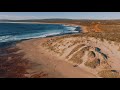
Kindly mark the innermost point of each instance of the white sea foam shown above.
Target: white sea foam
(70, 28)
(7, 38)
(2, 38)
(21, 37)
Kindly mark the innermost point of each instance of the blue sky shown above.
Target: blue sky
(69, 15)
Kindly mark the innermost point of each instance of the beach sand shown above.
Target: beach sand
(49, 62)
(46, 58)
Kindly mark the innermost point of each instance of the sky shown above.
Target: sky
(67, 15)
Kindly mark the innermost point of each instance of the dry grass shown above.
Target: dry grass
(119, 49)
(105, 64)
(91, 54)
(93, 64)
(75, 49)
(110, 28)
(40, 75)
(76, 58)
(109, 32)
(109, 74)
(85, 49)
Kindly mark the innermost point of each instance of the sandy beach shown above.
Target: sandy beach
(50, 63)
(71, 56)
(43, 61)
(59, 45)
(81, 55)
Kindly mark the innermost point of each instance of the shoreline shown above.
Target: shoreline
(60, 34)
(47, 63)
(51, 63)
(76, 55)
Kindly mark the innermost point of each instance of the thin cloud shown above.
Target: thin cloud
(13, 17)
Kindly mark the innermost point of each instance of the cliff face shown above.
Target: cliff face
(88, 52)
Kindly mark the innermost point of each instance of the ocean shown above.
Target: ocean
(10, 33)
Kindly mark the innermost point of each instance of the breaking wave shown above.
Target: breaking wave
(14, 32)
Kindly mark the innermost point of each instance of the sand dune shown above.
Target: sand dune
(74, 56)
(54, 65)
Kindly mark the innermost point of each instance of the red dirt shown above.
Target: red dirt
(13, 65)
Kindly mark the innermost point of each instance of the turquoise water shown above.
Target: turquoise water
(12, 32)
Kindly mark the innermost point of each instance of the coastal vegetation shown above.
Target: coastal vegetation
(75, 49)
(109, 74)
(72, 48)
(93, 64)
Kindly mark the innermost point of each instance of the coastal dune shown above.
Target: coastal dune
(55, 66)
(92, 53)
(60, 49)
(73, 56)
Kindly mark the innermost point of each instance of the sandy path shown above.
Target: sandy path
(50, 62)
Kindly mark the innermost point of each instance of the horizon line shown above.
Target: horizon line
(60, 18)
